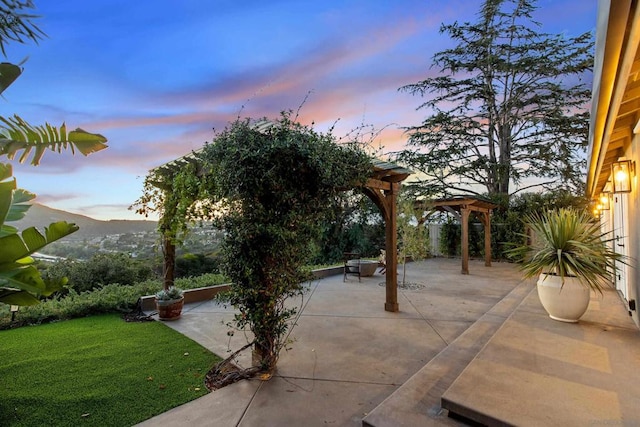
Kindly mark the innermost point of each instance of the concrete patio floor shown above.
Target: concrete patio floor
(352, 363)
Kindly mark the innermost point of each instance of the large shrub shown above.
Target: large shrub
(450, 237)
(272, 184)
(507, 224)
(190, 264)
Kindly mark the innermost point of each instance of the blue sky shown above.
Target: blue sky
(155, 77)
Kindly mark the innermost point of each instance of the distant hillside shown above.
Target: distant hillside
(41, 216)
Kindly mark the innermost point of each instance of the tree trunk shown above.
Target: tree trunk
(264, 358)
(169, 262)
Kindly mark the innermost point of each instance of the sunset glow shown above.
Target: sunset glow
(156, 78)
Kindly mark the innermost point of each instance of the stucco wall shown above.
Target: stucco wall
(633, 152)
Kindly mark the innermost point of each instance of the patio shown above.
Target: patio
(353, 363)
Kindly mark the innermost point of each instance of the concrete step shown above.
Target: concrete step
(418, 401)
(536, 371)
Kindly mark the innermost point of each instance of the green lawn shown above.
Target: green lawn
(97, 371)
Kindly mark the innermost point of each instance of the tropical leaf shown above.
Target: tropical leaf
(23, 286)
(7, 188)
(15, 297)
(16, 246)
(20, 281)
(18, 135)
(19, 205)
(8, 74)
(13, 200)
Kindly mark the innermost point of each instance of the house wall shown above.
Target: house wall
(633, 153)
(632, 232)
(616, 105)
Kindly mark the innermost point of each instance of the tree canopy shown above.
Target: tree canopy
(509, 107)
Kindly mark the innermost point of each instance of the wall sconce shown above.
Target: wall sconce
(603, 204)
(621, 173)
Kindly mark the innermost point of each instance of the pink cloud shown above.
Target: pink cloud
(47, 198)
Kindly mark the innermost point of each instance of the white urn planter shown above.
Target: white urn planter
(564, 303)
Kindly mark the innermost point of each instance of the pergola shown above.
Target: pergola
(382, 188)
(462, 207)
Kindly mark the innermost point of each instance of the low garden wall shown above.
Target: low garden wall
(209, 292)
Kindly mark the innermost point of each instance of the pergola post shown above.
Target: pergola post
(383, 190)
(487, 238)
(391, 277)
(464, 220)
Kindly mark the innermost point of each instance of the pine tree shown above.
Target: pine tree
(509, 107)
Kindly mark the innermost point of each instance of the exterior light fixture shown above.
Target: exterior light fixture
(621, 173)
(604, 202)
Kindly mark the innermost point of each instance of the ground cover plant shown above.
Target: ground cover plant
(97, 371)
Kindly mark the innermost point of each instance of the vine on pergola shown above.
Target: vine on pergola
(267, 187)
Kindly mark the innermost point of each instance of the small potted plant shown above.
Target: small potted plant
(169, 303)
(571, 256)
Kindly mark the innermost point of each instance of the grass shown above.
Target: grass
(97, 371)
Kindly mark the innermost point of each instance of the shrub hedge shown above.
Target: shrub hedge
(112, 298)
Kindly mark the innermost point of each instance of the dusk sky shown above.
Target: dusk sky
(155, 77)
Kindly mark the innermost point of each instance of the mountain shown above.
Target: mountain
(41, 216)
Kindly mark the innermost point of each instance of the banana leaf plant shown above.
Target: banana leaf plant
(20, 281)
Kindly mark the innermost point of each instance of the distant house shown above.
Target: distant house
(614, 138)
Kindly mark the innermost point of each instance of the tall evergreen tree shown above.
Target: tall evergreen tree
(509, 107)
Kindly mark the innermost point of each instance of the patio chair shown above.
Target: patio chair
(351, 264)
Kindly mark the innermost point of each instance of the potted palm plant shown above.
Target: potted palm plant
(169, 303)
(571, 256)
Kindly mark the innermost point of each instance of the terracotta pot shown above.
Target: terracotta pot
(170, 309)
(566, 303)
